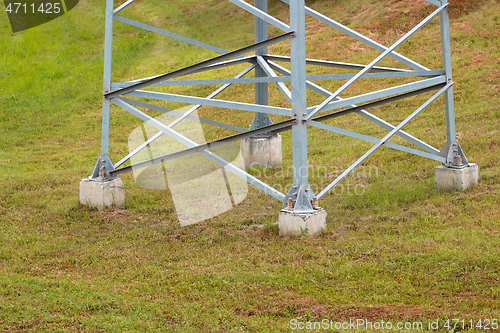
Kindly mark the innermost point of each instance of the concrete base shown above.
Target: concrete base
(261, 152)
(102, 194)
(450, 179)
(296, 224)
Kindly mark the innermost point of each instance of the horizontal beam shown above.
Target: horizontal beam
(275, 129)
(179, 114)
(203, 64)
(346, 102)
(211, 102)
(277, 79)
(335, 64)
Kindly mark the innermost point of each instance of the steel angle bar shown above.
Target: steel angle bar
(280, 129)
(334, 64)
(376, 75)
(382, 123)
(179, 114)
(446, 51)
(371, 105)
(262, 15)
(189, 143)
(384, 140)
(434, 2)
(200, 65)
(185, 115)
(176, 83)
(169, 34)
(108, 57)
(346, 102)
(368, 115)
(237, 79)
(211, 102)
(223, 64)
(377, 103)
(278, 79)
(365, 40)
(123, 6)
(250, 59)
(280, 85)
(209, 145)
(374, 62)
(375, 140)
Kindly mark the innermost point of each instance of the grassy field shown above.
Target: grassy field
(396, 249)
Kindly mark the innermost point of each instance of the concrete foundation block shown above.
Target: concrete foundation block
(261, 152)
(296, 224)
(450, 179)
(102, 194)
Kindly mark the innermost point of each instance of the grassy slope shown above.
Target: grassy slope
(400, 251)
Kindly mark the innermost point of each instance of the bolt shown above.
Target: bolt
(102, 174)
(290, 203)
(459, 161)
(304, 114)
(315, 203)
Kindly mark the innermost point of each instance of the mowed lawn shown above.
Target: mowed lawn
(396, 249)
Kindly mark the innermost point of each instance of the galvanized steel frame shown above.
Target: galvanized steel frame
(301, 116)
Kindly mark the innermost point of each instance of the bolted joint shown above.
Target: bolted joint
(455, 157)
(102, 169)
(299, 199)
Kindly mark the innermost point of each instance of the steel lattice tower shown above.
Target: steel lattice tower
(300, 199)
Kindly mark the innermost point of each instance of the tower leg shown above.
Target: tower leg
(264, 150)
(301, 216)
(456, 173)
(100, 190)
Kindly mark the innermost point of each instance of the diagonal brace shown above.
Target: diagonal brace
(200, 65)
(262, 15)
(364, 113)
(280, 85)
(208, 154)
(384, 140)
(185, 115)
(169, 34)
(374, 62)
(365, 40)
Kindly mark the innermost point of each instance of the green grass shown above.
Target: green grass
(401, 251)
